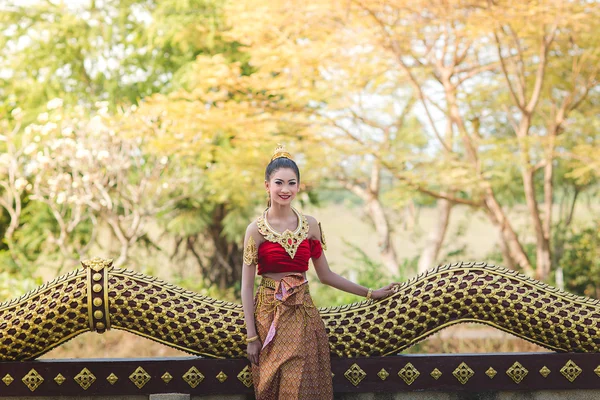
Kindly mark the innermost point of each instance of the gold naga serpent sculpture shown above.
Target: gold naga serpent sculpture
(100, 296)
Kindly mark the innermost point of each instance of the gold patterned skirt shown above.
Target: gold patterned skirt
(294, 361)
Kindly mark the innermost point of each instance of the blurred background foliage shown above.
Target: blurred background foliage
(140, 130)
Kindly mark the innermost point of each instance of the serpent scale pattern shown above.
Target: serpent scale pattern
(43, 318)
(446, 295)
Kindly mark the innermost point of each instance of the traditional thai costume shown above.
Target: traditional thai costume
(294, 361)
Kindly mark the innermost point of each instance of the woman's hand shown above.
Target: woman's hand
(253, 350)
(385, 291)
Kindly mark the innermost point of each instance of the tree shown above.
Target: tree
(223, 125)
(452, 50)
(86, 174)
(85, 52)
(13, 161)
(84, 57)
(336, 90)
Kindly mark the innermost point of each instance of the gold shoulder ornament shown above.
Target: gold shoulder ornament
(323, 242)
(250, 252)
(288, 240)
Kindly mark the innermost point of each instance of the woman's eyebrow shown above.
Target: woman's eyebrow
(279, 179)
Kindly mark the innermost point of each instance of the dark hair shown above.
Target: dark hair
(278, 163)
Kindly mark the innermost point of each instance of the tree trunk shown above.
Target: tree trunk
(436, 236)
(123, 255)
(548, 189)
(498, 218)
(560, 236)
(542, 243)
(507, 259)
(123, 240)
(227, 257)
(410, 216)
(549, 196)
(382, 227)
(369, 193)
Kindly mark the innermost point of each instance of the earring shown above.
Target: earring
(268, 199)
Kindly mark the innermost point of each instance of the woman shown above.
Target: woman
(287, 342)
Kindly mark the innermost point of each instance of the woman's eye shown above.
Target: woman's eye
(292, 183)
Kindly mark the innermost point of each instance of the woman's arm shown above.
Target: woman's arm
(328, 277)
(248, 273)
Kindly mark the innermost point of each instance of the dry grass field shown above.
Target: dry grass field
(468, 230)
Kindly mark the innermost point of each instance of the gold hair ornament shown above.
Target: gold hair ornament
(280, 152)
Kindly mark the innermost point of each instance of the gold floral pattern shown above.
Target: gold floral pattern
(463, 373)
(166, 377)
(139, 377)
(323, 241)
(59, 379)
(112, 378)
(32, 380)
(7, 379)
(435, 374)
(570, 371)
(383, 374)
(517, 372)
(355, 374)
(251, 252)
(409, 373)
(288, 240)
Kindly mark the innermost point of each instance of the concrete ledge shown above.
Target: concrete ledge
(76, 397)
(220, 397)
(504, 395)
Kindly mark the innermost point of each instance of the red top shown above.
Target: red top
(272, 257)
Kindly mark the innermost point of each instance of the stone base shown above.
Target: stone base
(504, 395)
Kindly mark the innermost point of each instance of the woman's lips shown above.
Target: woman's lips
(285, 197)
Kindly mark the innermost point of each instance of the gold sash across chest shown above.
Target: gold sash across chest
(288, 240)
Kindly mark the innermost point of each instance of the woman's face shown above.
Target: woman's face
(283, 186)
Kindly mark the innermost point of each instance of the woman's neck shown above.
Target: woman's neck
(278, 211)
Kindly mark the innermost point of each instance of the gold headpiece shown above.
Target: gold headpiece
(280, 152)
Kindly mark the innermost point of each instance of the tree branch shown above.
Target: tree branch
(517, 98)
(540, 74)
(394, 47)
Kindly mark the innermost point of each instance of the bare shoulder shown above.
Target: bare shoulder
(252, 231)
(311, 220)
(252, 228)
(313, 232)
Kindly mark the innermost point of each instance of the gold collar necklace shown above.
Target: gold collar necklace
(288, 240)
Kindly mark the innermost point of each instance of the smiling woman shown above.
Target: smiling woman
(281, 179)
(287, 342)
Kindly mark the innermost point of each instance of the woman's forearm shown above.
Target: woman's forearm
(248, 301)
(248, 306)
(341, 283)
